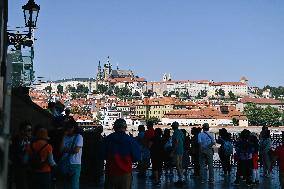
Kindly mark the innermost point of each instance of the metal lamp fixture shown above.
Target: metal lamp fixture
(31, 10)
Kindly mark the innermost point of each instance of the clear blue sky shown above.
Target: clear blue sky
(201, 39)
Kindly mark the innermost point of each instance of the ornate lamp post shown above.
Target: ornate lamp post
(31, 10)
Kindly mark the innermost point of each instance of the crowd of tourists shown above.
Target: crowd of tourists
(38, 162)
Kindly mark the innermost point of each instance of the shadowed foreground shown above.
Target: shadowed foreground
(221, 182)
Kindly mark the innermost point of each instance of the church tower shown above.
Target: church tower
(99, 74)
(107, 69)
(165, 77)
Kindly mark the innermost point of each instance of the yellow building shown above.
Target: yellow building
(158, 107)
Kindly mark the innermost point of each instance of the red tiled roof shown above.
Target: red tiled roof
(227, 83)
(206, 113)
(261, 101)
(127, 80)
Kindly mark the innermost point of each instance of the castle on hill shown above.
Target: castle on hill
(107, 72)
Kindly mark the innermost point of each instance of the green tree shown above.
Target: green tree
(99, 116)
(202, 94)
(59, 89)
(154, 120)
(272, 116)
(109, 92)
(124, 93)
(235, 122)
(184, 95)
(82, 88)
(277, 92)
(71, 89)
(136, 94)
(148, 93)
(232, 96)
(254, 114)
(176, 93)
(102, 88)
(73, 96)
(221, 93)
(48, 89)
(258, 116)
(217, 92)
(165, 93)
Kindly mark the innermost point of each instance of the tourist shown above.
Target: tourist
(72, 153)
(51, 108)
(279, 153)
(265, 152)
(168, 148)
(148, 136)
(244, 152)
(40, 158)
(255, 158)
(186, 158)
(195, 151)
(157, 151)
(178, 150)
(142, 165)
(225, 150)
(120, 151)
(18, 148)
(67, 117)
(206, 142)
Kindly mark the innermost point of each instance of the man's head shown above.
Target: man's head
(158, 132)
(70, 127)
(150, 124)
(51, 105)
(175, 125)
(141, 128)
(205, 127)
(67, 111)
(26, 129)
(120, 125)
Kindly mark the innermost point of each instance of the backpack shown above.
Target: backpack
(36, 161)
(228, 148)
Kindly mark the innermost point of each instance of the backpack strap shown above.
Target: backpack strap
(72, 145)
(209, 136)
(38, 152)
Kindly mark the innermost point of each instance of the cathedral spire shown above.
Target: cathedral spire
(99, 74)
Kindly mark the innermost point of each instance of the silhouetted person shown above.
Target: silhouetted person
(120, 151)
(225, 150)
(206, 142)
(157, 151)
(195, 151)
(18, 148)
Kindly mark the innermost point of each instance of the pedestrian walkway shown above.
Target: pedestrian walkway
(221, 182)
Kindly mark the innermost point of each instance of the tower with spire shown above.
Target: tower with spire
(99, 74)
(107, 69)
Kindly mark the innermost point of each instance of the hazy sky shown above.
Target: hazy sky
(201, 39)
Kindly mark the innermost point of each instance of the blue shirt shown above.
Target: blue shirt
(120, 151)
(74, 158)
(178, 137)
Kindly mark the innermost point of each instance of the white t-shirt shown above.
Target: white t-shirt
(74, 158)
(204, 140)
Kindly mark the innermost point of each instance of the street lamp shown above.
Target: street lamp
(31, 10)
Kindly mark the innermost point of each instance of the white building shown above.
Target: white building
(66, 83)
(109, 117)
(207, 115)
(238, 88)
(260, 102)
